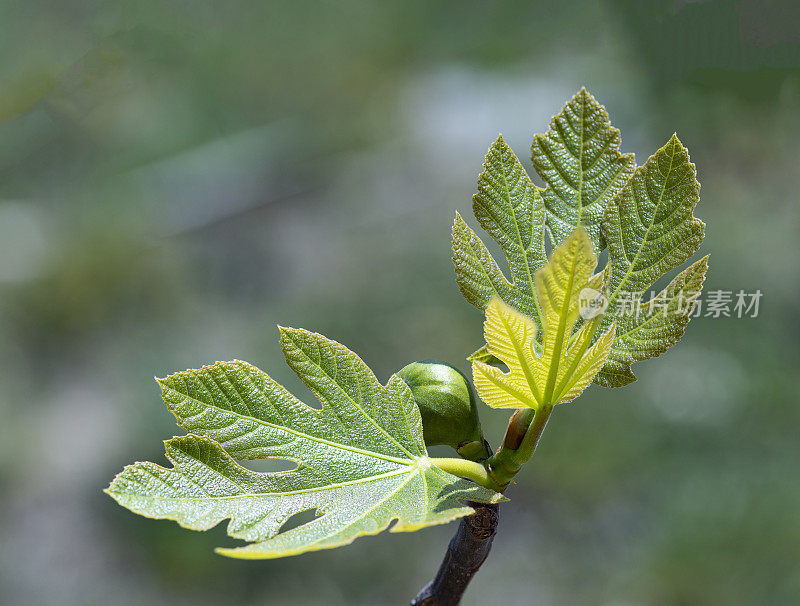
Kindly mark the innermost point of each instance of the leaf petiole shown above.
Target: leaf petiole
(469, 470)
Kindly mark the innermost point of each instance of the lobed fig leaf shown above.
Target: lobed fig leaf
(651, 230)
(644, 215)
(579, 160)
(564, 364)
(510, 208)
(361, 459)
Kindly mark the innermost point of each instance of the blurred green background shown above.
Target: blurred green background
(176, 178)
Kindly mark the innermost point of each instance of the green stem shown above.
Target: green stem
(513, 452)
(468, 469)
(524, 431)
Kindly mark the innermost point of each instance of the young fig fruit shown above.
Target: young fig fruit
(448, 406)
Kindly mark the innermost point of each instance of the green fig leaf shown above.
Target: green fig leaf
(361, 459)
(564, 365)
(643, 215)
(579, 160)
(650, 231)
(511, 210)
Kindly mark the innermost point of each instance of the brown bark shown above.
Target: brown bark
(466, 553)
